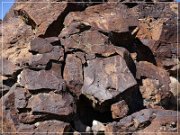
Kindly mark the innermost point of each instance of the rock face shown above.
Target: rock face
(40, 45)
(146, 120)
(119, 109)
(8, 68)
(89, 67)
(73, 73)
(106, 78)
(56, 104)
(46, 80)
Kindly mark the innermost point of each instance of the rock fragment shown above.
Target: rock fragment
(56, 104)
(105, 78)
(73, 73)
(152, 118)
(52, 126)
(46, 80)
(153, 95)
(8, 68)
(149, 70)
(119, 109)
(40, 45)
(40, 60)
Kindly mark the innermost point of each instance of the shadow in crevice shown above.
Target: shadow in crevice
(134, 99)
(87, 113)
(56, 26)
(144, 53)
(49, 116)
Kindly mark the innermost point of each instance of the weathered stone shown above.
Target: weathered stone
(56, 54)
(21, 97)
(119, 109)
(88, 41)
(149, 119)
(175, 89)
(28, 118)
(47, 14)
(15, 43)
(51, 103)
(107, 17)
(105, 78)
(159, 30)
(40, 45)
(16, 98)
(57, 48)
(8, 68)
(146, 69)
(46, 79)
(54, 126)
(153, 95)
(3, 87)
(73, 73)
(81, 56)
(26, 129)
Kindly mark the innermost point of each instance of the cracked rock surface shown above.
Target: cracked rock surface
(93, 67)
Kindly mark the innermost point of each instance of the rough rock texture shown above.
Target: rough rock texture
(39, 45)
(29, 78)
(73, 73)
(106, 78)
(97, 67)
(148, 120)
(56, 104)
(119, 109)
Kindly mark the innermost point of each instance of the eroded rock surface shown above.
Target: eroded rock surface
(106, 78)
(55, 104)
(157, 120)
(95, 67)
(46, 80)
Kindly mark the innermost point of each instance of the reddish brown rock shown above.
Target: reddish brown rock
(146, 69)
(8, 68)
(150, 119)
(54, 126)
(47, 14)
(56, 104)
(107, 17)
(21, 98)
(89, 41)
(49, 127)
(4, 88)
(73, 73)
(15, 43)
(28, 117)
(40, 45)
(39, 60)
(105, 78)
(46, 79)
(175, 89)
(119, 109)
(153, 95)
(53, 49)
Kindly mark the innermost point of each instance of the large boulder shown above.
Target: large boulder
(62, 105)
(46, 80)
(146, 120)
(105, 78)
